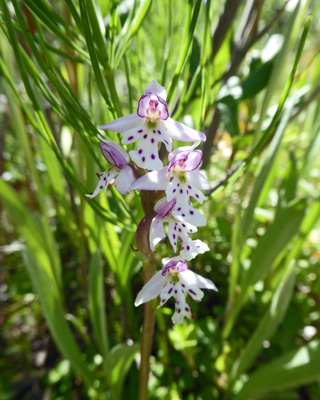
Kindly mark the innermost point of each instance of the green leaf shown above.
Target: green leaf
(249, 87)
(229, 117)
(31, 229)
(54, 314)
(285, 226)
(97, 304)
(126, 36)
(279, 234)
(267, 325)
(293, 369)
(188, 35)
(119, 362)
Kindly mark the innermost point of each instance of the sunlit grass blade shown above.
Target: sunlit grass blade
(33, 231)
(119, 361)
(48, 17)
(243, 224)
(125, 38)
(97, 304)
(54, 314)
(189, 32)
(279, 234)
(267, 326)
(293, 369)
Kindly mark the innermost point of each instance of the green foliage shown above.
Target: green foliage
(69, 270)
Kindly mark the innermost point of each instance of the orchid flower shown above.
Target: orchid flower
(175, 279)
(177, 230)
(150, 126)
(180, 179)
(120, 172)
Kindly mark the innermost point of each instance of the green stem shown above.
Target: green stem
(146, 338)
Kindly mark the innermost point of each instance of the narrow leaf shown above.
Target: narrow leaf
(295, 368)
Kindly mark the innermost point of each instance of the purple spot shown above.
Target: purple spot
(170, 290)
(179, 310)
(187, 309)
(140, 151)
(178, 184)
(192, 292)
(190, 230)
(154, 131)
(183, 225)
(181, 191)
(187, 191)
(108, 174)
(152, 140)
(130, 137)
(174, 236)
(191, 212)
(183, 215)
(105, 178)
(174, 190)
(189, 186)
(153, 156)
(140, 130)
(159, 132)
(197, 196)
(101, 187)
(188, 248)
(145, 136)
(179, 209)
(175, 228)
(179, 229)
(166, 141)
(180, 239)
(183, 285)
(176, 291)
(143, 159)
(175, 243)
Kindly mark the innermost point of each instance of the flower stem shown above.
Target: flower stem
(146, 338)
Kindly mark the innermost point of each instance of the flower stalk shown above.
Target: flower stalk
(146, 337)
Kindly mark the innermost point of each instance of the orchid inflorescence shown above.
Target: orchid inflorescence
(180, 180)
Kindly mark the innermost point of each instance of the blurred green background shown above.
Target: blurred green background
(246, 73)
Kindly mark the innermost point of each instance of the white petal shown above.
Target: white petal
(132, 135)
(182, 308)
(105, 178)
(198, 180)
(124, 180)
(182, 132)
(155, 180)
(156, 88)
(146, 156)
(195, 292)
(180, 149)
(177, 317)
(172, 233)
(123, 124)
(146, 160)
(167, 292)
(197, 280)
(196, 218)
(151, 289)
(156, 232)
(193, 248)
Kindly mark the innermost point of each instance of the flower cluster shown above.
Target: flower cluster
(179, 181)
